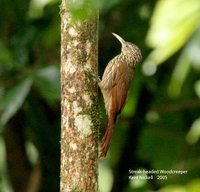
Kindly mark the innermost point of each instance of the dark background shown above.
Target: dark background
(159, 128)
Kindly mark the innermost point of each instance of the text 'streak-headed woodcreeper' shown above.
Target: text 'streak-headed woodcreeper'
(115, 84)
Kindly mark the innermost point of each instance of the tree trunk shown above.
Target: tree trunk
(79, 110)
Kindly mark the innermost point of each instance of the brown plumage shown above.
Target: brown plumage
(115, 84)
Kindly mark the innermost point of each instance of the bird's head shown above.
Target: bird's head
(128, 48)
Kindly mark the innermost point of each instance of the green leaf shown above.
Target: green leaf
(179, 75)
(13, 99)
(194, 132)
(197, 88)
(188, 58)
(172, 24)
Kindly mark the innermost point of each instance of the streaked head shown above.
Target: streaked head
(129, 48)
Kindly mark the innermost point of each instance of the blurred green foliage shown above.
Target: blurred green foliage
(159, 127)
(83, 9)
(30, 87)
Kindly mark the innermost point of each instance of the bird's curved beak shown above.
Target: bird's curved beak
(119, 38)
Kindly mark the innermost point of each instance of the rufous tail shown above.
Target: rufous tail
(108, 135)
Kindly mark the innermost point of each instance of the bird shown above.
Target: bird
(114, 85)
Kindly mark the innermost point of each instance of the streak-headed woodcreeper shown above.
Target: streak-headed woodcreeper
(115, 84)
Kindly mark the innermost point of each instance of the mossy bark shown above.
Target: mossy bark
(79, 111)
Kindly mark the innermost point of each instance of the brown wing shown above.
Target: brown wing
(121, 84)
(122, 77)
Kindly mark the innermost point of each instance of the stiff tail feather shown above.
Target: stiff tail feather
(108, 135)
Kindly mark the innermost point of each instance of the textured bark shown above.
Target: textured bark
(79, 124)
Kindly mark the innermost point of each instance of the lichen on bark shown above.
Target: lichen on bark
(79, 124)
